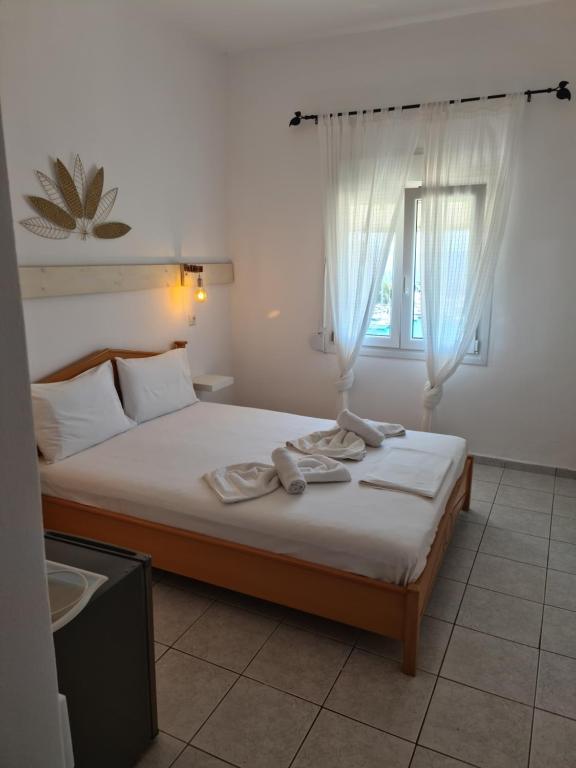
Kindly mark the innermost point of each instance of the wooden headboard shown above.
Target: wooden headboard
(97, 358)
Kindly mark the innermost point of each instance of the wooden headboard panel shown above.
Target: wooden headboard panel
(97, 358)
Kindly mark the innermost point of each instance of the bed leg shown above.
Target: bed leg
(469, 468)
(411, 632)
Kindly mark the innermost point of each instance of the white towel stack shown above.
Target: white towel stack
(321, 469)
(409, 470)
(241, 482)
(348, 439)
(335, 443)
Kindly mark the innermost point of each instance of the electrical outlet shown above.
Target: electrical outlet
(191, 319)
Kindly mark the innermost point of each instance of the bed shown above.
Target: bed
(349, 553)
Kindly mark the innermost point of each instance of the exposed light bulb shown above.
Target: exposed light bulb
(200, 294)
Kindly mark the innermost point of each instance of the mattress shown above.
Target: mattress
(154, 472)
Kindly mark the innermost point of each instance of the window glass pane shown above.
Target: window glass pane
(417, 281)
(380, 322)
(457, 215)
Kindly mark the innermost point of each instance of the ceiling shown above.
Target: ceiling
(237, 25)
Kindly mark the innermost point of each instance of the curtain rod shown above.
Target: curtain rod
(561, 91)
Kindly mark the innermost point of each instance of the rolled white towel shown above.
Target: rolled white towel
(390, 430)
(353, 423)
(288, 471)
(371, 432)
(321, 469)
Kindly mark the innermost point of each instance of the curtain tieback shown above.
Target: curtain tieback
(345, 381)
(432, 396)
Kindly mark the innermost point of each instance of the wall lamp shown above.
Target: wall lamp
(200, 294)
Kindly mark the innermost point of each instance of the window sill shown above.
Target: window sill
(318, 343)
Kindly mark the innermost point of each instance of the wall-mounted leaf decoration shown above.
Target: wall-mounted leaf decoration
(43, 228)
(105, 205)
(79, 178)
(68, 189)
(87, 207)
(52, 212)
(110, 230)
(50, 188)
(93, 194)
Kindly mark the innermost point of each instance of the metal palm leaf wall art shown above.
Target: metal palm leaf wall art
(74, 204)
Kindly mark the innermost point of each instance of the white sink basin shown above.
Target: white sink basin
(69, 590)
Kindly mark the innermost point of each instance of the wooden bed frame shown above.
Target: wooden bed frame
(377, 606)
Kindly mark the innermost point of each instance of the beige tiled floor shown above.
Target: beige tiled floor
(248, 684)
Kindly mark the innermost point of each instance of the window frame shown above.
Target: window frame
(400, 343)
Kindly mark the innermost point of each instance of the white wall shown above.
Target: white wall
(29, 724)
(136, 94)
(521, 406)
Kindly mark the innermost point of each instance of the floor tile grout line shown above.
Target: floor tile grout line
(437, 675)
(496, 591)
(506, 639)
(321, 707)
(282, 620)
(515, 530)
(490, 693)
(186, 745)
(379, 655)
(244, 669)
(444, 754)
(222, 666)
(179, 755)
(211, 754)
(269, 637)
(212, 711)
(354, 719)
(329, 709)
(487, 525)
(510, 559)
(317, 632)
(525, 509)
(368, 725)
(248, 677)
(173, 645)
(539, 653)
(449, 639)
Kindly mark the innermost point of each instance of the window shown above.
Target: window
(396, 322)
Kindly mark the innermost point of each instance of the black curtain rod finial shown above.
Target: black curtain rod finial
(297, 119)
(562, 92)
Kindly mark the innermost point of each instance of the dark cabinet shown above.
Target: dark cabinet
(105, 655)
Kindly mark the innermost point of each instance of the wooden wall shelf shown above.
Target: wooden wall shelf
(43, 282)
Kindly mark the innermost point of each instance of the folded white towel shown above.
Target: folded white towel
(335, 443)
(321, 469)
(289, 473)
(370, 431)
(240, 482)
(405, 469)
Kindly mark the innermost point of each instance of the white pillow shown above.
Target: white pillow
(72, 415)
(153, 386)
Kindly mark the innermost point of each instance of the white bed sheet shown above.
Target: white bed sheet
(154, 472)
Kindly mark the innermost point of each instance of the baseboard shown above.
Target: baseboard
(544, 469)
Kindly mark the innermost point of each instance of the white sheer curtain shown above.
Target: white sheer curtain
(366, 159)
(469, 154)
